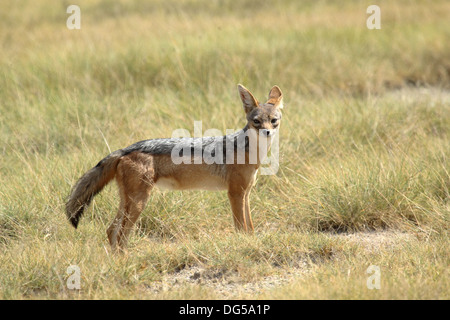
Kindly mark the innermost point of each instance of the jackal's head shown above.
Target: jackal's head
(265, 117)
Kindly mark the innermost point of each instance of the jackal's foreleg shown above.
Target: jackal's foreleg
(248, 216)
(237, 201)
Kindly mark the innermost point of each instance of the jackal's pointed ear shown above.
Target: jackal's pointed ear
(248, 100)
(276, 97)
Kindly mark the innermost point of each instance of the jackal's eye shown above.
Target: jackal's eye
(274, 120)
(256, 121)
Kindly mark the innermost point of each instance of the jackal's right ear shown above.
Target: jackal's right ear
(248, 100)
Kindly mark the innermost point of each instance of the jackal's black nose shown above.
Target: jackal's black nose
(266, 132)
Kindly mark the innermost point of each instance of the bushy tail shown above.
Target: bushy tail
(90, 184)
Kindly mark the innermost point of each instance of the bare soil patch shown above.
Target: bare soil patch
(227, 284)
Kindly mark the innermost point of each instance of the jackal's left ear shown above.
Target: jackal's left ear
(248, 100)
(276, 97)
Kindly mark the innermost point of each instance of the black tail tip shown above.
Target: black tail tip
(74, 221)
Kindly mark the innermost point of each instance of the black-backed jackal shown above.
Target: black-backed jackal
(149, 163)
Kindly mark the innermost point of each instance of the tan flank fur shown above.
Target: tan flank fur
(146, 164)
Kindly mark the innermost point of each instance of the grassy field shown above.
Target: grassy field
(364, 174)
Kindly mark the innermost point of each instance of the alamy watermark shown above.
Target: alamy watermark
(374, 280)
(74, 20)
(74, 279)
(374, 20)
(235, 147)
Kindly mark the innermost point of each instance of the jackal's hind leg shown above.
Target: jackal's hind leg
(135, 178)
